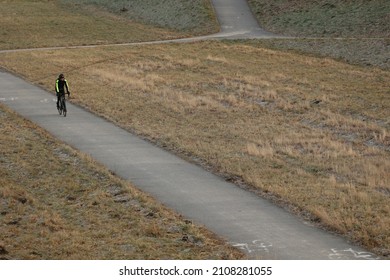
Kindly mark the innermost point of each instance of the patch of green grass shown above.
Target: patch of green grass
(325, 18)
(194, 16)
(361, 27)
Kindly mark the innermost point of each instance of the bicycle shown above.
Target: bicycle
(62, 105)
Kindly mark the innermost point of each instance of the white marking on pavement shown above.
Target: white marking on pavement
(339, 254)
(8, 99)
(255, 246)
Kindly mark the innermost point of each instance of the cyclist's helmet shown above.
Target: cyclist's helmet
(61, 76)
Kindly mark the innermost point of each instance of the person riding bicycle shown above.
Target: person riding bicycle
(61, 84)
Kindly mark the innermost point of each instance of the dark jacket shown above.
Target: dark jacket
(61, 85)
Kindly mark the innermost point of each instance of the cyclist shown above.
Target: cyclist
(61, 85)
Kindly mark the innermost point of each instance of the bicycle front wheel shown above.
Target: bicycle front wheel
(63, 106)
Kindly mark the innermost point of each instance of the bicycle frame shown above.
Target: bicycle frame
(62, 105)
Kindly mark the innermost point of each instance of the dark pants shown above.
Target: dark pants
(59, 94)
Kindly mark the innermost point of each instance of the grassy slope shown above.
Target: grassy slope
(56, 203)
(313, 133)
(27, 24)
(44, 184)
(316, 158)
(325, 18)
(194, 16)
(364, 25)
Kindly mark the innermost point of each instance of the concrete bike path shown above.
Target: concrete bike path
(237, 20)
(256, 226)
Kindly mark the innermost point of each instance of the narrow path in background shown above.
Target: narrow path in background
(256, 226)
(234, 16)
(237, 21)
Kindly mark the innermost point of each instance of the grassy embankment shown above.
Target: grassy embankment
(325, 18)
(354, 31)
(56, 203)
(29, 24)
(195, 17)
(310, 133)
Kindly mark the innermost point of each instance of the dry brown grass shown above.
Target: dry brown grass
(28, 24)
(311, 133)
(56, 203)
